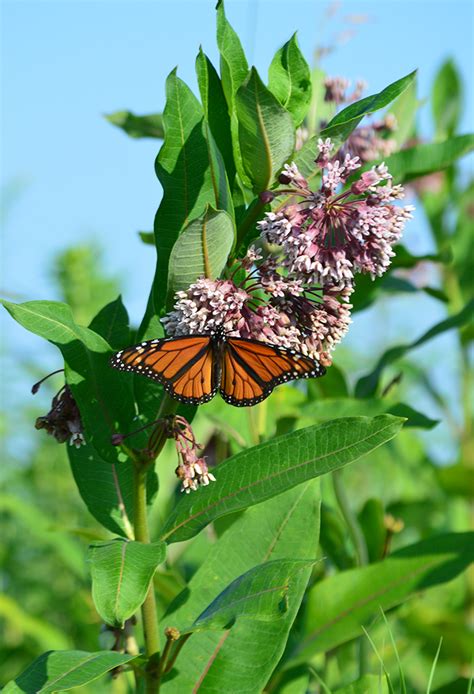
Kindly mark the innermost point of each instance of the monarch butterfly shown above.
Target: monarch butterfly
(193, 368)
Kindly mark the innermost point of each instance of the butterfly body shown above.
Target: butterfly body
(194, 368)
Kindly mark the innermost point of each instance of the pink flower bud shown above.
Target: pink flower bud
(266, 196)
(367, 179)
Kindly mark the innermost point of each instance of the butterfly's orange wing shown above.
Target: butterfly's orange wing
(183, 365)
(252, 369)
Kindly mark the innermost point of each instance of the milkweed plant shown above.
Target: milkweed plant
(282, 215)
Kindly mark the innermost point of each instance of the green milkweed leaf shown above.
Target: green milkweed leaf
(201, 250)
(234, 69)
(112, 323)
(266, 132)
(189, 170)
(425, 159)
(58, 671)
(260, 594)
(246, 655)
(341, 126)
(216, 111)
(339, 605)
(266, 470)
(122, 571)
(289, 79)
(105, 401)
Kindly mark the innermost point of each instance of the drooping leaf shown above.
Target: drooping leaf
(247, 654)
(367, 385)
(289, 79)
(266, 132)
(340, 604)
(112, 323)
(341, 126)
(261, 594)
(58, 671)
(150, 125)
(424, 159)
(122, 571)
(446, 100)
(201, 250)
(266, 470)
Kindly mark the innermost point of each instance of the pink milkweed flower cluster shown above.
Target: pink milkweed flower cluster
(192, 470)
(330, 235)
(297, 295)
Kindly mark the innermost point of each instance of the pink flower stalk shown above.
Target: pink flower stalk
(192, 471)
(331, 235)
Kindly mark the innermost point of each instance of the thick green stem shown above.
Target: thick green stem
(149, 617)
(360, 547)
(142, 534)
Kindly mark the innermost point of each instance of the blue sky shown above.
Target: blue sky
(70, 176)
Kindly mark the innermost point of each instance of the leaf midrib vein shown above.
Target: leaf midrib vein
(120, 578)
(278, 473)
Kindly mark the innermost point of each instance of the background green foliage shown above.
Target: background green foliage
(262, 525)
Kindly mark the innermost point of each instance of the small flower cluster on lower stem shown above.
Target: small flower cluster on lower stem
(192, 470)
